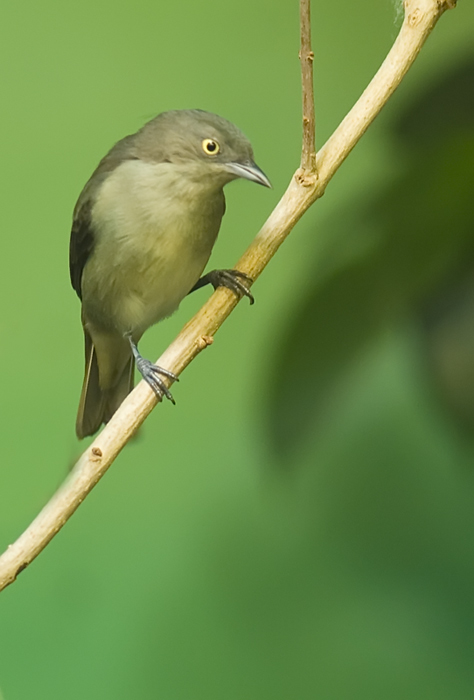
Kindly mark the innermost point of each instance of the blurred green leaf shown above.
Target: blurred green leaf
(416, 244)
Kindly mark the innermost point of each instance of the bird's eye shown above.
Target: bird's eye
(210, 147)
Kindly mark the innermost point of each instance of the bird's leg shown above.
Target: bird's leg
(151, 373)
(232, 279)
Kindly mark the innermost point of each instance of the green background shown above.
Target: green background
(301, 524)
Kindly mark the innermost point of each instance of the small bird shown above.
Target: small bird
(142, 233)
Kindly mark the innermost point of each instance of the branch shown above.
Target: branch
(308, 151)
(304, 188)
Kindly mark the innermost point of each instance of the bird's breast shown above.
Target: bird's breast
(154, 230)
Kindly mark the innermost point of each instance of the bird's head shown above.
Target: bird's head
(208, 145)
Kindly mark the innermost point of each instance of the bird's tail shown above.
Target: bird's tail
(97, 406)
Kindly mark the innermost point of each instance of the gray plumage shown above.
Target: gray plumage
(143, 230)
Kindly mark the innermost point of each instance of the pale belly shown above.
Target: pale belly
(148, 290)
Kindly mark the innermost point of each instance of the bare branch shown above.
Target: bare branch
(420, 18)
(308, 151)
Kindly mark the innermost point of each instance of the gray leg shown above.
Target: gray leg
(151, 373)
(232, 279)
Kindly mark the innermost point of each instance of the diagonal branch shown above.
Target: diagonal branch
(303, 190)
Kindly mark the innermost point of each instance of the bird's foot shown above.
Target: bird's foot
(233, 280)
(151, 374)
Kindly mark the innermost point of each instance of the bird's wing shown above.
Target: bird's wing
(82, 234)
(81, 244)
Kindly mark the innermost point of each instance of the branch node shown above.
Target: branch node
(307, 178)
(97, 452)
(204, 341)
(414, 17)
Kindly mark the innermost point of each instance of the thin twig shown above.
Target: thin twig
(420, 18)
(308, 151)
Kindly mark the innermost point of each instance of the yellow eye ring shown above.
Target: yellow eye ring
(211, 147)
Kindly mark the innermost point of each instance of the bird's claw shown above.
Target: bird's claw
(151, 374)
(233, 280)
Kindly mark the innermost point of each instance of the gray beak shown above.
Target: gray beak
(249, 171)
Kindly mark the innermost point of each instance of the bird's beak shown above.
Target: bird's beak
(249, 171)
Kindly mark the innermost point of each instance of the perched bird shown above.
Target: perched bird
(143, 230)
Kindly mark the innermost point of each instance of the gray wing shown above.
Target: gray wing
(81, 243)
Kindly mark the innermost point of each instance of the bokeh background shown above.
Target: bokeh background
(301, 525)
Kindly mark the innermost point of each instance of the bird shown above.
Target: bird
(143, 230)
